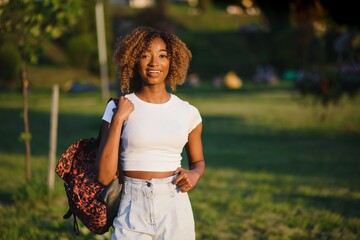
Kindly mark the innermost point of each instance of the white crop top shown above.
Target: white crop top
(154, 135)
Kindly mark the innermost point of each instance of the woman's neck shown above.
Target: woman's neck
(153, 95)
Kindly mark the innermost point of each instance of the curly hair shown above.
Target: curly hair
(132, 45)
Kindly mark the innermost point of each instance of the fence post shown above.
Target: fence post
(53, 136)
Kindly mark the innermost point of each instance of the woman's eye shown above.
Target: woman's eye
(163, 56)
(144, 56)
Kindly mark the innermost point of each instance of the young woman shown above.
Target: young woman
(143, 138)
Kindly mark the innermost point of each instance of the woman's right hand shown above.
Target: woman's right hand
(122, 112)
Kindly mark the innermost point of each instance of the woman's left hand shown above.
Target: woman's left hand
(186, 180)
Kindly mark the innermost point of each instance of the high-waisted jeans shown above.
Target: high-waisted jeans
(153, 210)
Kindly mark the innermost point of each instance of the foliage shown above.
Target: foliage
(29, 24)
(80, 44)
(215, 54)
(81, 50)
(9, 61)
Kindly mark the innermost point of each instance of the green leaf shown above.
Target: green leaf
(25, 136)
(56, 32)
(35, 31)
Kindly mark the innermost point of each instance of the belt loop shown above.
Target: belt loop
(134, 192)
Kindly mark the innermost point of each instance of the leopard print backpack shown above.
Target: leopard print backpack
(94, 204)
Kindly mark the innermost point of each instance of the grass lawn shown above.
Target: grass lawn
(276, 168)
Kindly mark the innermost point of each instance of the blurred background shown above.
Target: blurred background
(261, 42)
(276, 82)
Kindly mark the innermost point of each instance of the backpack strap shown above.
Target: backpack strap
(75, 226)
(116, 100)
(67, 214)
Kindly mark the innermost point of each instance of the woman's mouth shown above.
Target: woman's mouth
(153, 73)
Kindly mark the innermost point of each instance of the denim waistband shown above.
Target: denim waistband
(150, 189)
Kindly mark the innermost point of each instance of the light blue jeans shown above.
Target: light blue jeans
(153, 210)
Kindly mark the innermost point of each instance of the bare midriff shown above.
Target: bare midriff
(147, 175)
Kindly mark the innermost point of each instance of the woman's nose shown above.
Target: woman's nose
(153, 61)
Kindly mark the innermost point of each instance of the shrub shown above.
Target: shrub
(81, 50)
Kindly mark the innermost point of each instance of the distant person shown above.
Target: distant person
(144, 136)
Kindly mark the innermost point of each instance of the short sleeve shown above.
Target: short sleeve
(108, 114)
(195, 118)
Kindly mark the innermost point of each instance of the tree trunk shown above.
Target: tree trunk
(101, 35)
(26, 135)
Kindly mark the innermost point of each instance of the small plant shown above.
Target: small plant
(31, 191)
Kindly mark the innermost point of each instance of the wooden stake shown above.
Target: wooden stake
(26, 135)
(53, 136)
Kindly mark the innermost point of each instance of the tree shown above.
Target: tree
(29, 23)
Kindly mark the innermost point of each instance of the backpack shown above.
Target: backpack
(94, 204)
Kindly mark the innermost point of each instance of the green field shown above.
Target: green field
(278, 167)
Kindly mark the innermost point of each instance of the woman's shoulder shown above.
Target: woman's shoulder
(190, 111)
(129, 95)
(184, 103)
(180, 100)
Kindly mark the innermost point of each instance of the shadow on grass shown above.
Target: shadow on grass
(70, 128)
(346, 206)
(228, 143)
(5, 197)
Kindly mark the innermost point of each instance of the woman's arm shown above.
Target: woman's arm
(108, 155)
(187, 179)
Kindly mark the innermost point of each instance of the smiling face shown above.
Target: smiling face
(154, 63)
